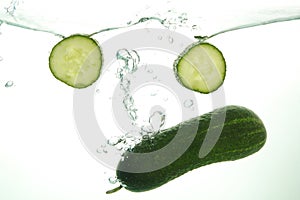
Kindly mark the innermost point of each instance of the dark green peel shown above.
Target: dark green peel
(243, 134)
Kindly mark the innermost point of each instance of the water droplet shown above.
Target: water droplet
(159, 37)
(155, 77)
(0, 56)
(9, 84)
(165, 99)
(188, 103)
(171, 40)
(98, 91)
(113, 180)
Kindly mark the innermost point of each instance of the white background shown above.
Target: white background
(42, 157)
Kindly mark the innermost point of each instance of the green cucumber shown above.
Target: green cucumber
(201, 68)
(76, 61)
(242, 134)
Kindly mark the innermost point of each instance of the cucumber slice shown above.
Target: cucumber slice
(201, 68)
(76, 61)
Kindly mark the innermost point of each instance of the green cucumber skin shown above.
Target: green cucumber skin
(243, 134)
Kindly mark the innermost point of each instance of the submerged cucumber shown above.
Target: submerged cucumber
(201, 68)
(243, 134)
(76, 61)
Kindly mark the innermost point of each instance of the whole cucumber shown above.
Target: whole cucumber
(149, 164)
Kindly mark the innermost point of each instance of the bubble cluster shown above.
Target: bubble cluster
(129, 60)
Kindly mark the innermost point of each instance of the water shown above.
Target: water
(41, 107)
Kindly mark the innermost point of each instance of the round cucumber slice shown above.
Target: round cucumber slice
(201, 68)
(76, 61)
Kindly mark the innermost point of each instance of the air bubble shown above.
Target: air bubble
(102, 149)
(188, 103)
(114, 141)
(113, 180)
(147, 129)
(9, 84)
(146, 137)
(157, 120)
(150, 70)
(171, 39)
(128, 102)
(130, 61)
(99, 150)
(132, 115)
(125, 84)
(153, 94)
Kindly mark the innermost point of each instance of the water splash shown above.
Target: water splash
(11, 9)
(170, 19)
(173, 20)
(128, 141)
(250, 25)
(124, 143)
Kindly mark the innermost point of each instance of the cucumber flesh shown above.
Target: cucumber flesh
(201, 68)
(76, 61)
